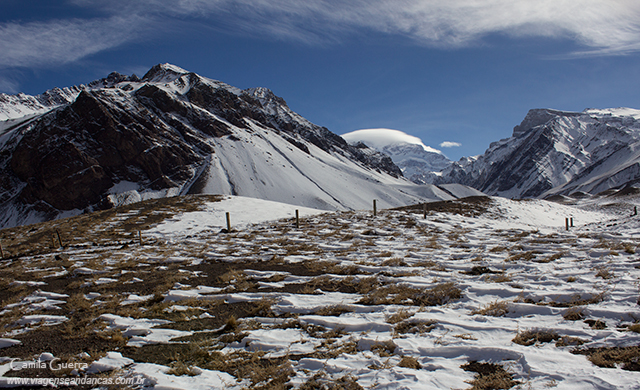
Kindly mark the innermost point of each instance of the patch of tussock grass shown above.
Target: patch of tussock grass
(579, 300)
(368, 284)
(394, 262)
(410, 362)
(403, 295)
(604, 273)
(627, 358)
(321, 381)
(398, 316)
(489, 376)
(494, 309)
(527, 256)
(575, 313)
(350, 269)
(333, 310)
(551, 258)
(498, 278)
(567, 341)
(634, 328)
(479, 270)
(429, 264)
(383, 348)
(596, 324)
(330, 349)
(433, 244)
(534, 336)
(414, 326)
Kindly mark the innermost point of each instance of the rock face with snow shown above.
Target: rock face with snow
(122, 139)
(418, 162)
(557, 152)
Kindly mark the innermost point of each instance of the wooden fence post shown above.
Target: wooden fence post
(635, 210)
(228, 222)
(140, 237)
(571, 221)
(59, 239)
(375, 209)
(424, 211)
(297, 220)
(566, 223)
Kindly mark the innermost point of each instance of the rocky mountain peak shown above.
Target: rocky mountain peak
(163, 73)
(111, 80)
(539, 116)
(266, 97)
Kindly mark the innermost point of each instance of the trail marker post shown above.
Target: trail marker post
(297, 219)
(566, 223)
(228, 222)
(375, 209)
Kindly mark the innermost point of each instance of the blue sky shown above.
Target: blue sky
(458, 71)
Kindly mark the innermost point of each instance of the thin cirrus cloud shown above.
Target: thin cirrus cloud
(601, 27)
(450, 144)
(53, 42)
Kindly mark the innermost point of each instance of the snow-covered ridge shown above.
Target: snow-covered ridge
(22, 105)
(557, 152)
(620, 111)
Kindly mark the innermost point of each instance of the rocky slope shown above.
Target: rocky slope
(122, 139)
(557, 152)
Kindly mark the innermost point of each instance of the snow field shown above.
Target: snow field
(343, 297)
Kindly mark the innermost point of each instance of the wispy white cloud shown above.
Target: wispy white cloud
(54, 42)
(449, 144)
(8, 86)
(606, 26)
(602, 27)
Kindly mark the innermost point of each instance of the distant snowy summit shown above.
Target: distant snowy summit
(554, 152)
(419, 163)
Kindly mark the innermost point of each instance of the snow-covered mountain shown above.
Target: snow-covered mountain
(122, 139)
(419, 163)
(557, 152)
(14, 107)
